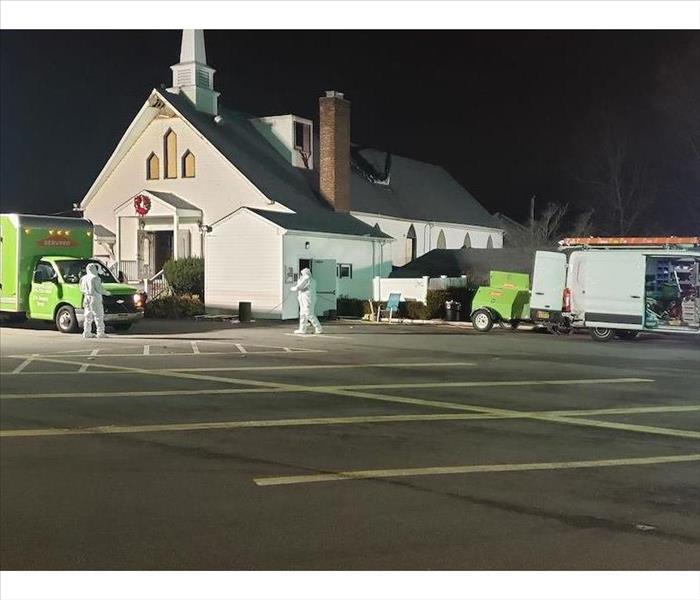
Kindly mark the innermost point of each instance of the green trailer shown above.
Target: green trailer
(41, 262)
(506, 300)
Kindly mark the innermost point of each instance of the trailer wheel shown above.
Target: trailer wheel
(627, 334)
(66, 321)
(602, 334)
(482, 320)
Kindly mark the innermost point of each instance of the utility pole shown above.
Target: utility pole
(532, 218)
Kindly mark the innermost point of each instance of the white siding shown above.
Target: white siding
(217, 189)
(365, 256)
(427, 234)
(244, 264)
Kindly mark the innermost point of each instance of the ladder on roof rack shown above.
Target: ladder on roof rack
(631, 242)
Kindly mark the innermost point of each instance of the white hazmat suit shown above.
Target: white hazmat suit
(306, 294)
(92, 289)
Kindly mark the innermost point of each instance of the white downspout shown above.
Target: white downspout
(176, 230)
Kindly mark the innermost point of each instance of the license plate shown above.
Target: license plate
(542, 314)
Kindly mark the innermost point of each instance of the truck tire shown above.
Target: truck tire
(66, 321)
(627, 334)
(602, 334)
(482, 320)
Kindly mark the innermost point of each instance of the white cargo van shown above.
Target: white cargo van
(619, 286)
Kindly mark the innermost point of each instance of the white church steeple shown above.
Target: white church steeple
(192, 76)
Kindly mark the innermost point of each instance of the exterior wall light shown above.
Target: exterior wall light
(307, 245)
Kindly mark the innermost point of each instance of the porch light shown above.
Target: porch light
(27, 230)
(307, 245)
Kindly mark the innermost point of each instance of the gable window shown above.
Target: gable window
(489, 243)
(188, 166)
(411, 244)
(467, 240)
(170, 152)
(152, 166)
(441, 243)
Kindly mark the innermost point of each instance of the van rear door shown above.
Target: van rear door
(614, 289)
(548, 281)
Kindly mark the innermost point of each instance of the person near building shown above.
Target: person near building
(93, 290)
(306, 293)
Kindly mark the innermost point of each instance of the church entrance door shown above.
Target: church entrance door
(162, 249)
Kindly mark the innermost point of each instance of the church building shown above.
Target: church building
(259, 198)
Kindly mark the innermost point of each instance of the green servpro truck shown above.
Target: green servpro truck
(506, 300)
(43, 259)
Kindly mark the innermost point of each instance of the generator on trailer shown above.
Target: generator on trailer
(41, 261)
(619, 287)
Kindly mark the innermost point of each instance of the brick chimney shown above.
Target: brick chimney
(334, 151)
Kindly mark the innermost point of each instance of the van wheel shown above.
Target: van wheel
(66, 321)
(627, 334)
(602, 334)
(482, 320)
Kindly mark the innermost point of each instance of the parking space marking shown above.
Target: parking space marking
(464, 469)
(274, 368)
(356, 391)
(19, 368)
(554, 418)
(308, 421)
(146, 350)
(501, 383)
(106, 429)
(85, 366)
(241, 349)
(195, 347)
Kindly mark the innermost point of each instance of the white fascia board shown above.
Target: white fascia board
(247, 210)
(342, 236)
(142, 119)
(424, 222)
(216, 151)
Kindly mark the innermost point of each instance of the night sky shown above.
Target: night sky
(502, 111)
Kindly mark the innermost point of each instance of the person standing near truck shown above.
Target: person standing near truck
(93, 290)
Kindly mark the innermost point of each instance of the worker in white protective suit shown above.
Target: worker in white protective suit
(306, 293)
(93, 290)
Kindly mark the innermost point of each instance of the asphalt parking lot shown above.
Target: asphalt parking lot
(211, 446)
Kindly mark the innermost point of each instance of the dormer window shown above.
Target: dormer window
(302, 137)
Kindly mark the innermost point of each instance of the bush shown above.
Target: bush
(434, 308)
(352, 307)
(174, 307)
(185, 276)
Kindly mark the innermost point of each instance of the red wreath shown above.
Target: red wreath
(142, 204)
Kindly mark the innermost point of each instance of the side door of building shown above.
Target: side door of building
(548, 282)
(325, 276)
(43, 294)
(613, 285)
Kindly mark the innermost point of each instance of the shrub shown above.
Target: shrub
(434, 308)
(185, 276)
(174, 307)
(352, 307)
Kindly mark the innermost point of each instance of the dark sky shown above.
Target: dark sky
(499, 109)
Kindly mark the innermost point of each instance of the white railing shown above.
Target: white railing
(156, 286)
(130, 268)
(414, 288)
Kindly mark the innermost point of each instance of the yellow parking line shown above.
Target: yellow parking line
(271, 368)
(463, 469)
(300, 422)
(102, 429)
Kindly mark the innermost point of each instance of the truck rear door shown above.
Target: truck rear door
(614, 289)
(548, 281)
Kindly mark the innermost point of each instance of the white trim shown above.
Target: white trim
(120, 151)
(423, 221)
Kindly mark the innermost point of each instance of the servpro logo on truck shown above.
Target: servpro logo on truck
(42, 261)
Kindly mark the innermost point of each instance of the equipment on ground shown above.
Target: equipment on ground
(505, 300)
(42, 259)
